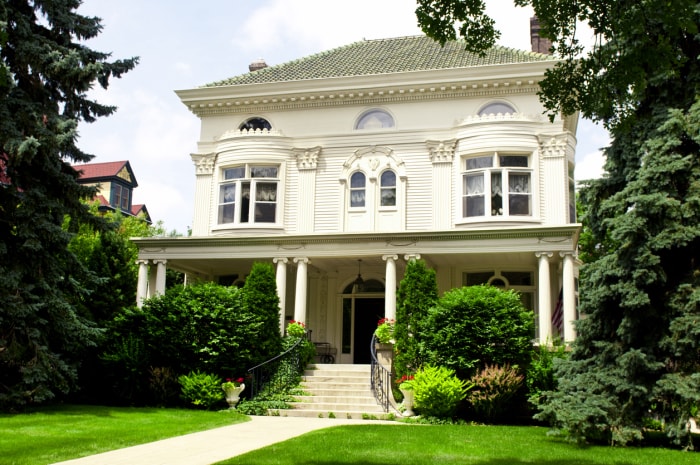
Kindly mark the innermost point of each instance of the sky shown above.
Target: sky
(184, 44)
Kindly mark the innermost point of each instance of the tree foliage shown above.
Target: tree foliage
(45, 74)
(416, 295)
(639, 46)
(637, 349)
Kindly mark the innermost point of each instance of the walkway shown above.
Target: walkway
(207, 447)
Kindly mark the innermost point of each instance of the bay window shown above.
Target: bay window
(496, 185)
(248, 194)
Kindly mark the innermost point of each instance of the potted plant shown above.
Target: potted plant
(385, 331)
(296, 329)
(406, 387)
(233, 388)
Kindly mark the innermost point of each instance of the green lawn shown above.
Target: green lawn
(66, 432)
(450, 445)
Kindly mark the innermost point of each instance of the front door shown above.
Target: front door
(367, 313)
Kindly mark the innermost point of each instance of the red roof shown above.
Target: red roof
(100, 170)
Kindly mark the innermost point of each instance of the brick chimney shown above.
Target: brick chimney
(257, 64)
(539, 44)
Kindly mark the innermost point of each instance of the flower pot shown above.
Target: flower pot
(233, 394)
(407, 402)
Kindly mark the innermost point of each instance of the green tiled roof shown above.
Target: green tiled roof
(382, 56)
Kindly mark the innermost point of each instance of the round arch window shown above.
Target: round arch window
(253, 124)
(375, 119)
(495, 108)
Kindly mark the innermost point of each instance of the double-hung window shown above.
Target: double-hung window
(497, 185)
(248, 194)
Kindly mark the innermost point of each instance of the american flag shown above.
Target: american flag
(558, 315)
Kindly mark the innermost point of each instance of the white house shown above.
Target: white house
(341, 166)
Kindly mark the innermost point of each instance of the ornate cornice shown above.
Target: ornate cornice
(306, 100)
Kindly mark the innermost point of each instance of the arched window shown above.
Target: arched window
(253, 124)
(357, 189)
(374, 119)
(495, 108)
(387, 183)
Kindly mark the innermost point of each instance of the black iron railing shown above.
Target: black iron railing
(277, 374)
(380, 379)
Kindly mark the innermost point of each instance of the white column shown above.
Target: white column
(160, 276)
(390, 287)
(152, 281)
(300, 297)
(142, 286)
(281, 280)
(544, 291)
(569, 296)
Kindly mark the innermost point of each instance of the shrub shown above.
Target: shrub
(438, 391)
(417, 293)
(475, 326)
(494, 387)
(201, 389)
(540, 376)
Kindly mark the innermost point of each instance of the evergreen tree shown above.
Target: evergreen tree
(45, 73)
(637, 349)
(261, 300)
(417, 293)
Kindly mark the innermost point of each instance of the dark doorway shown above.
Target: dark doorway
(367, 313)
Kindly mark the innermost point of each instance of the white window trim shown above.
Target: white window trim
(534, 216)
(237, 224)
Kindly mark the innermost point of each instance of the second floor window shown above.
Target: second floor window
(357, 190)
(496, 185)
(388, 189)
(120, 197)
(248, 194)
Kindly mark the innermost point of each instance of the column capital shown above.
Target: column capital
(441, 151)
(411, 256)
(390, 256)
(284, 260)
(141, 262)
(545, 255)
(304, 260)
(160, 261)
(307, 159)
(568, 253)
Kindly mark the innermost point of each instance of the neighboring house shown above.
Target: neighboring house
(342, 166)
(115, 182)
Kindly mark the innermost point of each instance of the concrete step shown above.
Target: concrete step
(348, 400)
(354, 415)
(336, 391)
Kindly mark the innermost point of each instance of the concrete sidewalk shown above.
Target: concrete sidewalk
(207, 447)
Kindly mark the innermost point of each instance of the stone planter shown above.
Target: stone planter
(385, 355)
(407, 402)
(233, 394)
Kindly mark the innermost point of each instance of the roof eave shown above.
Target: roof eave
(503, 74)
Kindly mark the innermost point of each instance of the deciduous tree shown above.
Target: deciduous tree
(637, 352)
